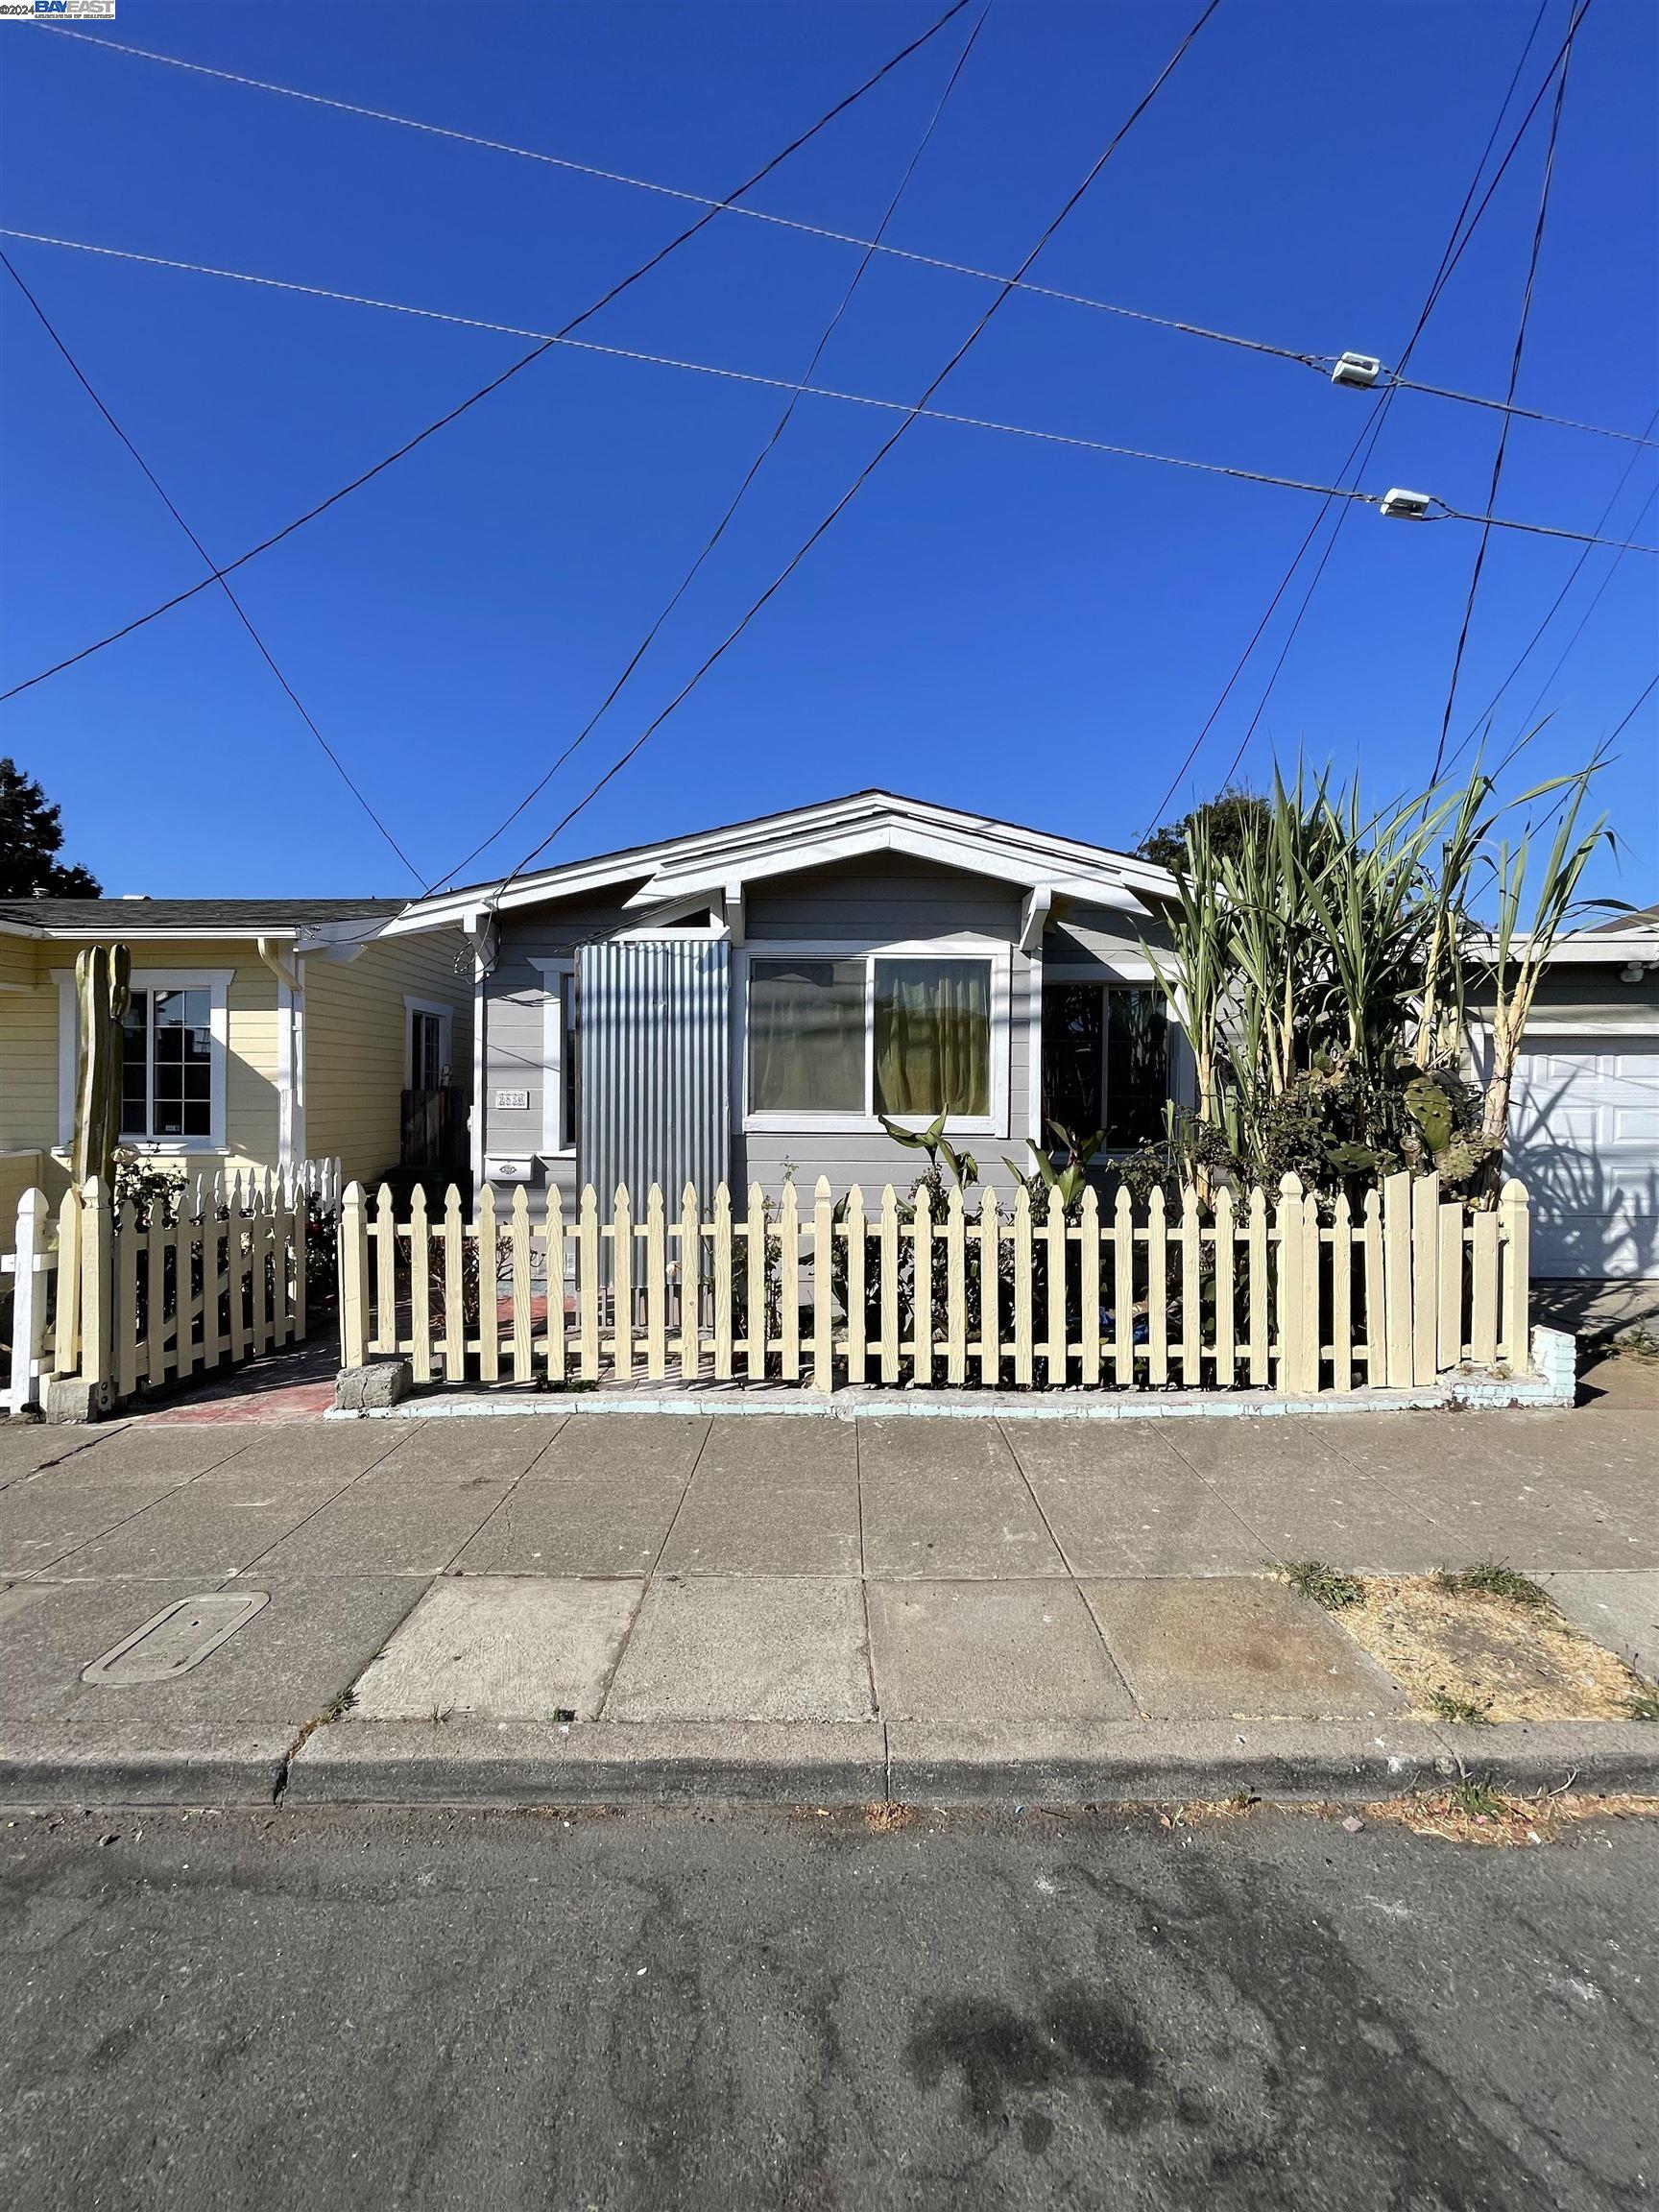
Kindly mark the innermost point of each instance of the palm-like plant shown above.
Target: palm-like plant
(1331, 949)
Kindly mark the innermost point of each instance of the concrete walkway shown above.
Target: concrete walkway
(591, 1608)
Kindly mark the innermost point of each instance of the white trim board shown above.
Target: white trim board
(557, 975)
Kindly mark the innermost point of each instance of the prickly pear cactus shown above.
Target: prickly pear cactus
(1431, 1110)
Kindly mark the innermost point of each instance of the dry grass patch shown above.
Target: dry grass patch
(1485, 1646)
(1468, 1811)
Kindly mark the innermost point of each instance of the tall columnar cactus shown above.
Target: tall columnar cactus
(103, 984)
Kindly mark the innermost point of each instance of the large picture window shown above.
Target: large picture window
(871, 1033)
(167, 1065)
(1105, 1061)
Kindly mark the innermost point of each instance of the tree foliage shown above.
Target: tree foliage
(1232, 819)
(31, 839)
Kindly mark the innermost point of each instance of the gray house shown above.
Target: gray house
(748, 1001)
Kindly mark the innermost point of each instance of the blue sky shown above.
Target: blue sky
(994, 623)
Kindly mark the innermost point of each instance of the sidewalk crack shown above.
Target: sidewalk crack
(1073, 1578)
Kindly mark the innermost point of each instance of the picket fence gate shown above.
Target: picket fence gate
(1244, 1293)
(107, 1301)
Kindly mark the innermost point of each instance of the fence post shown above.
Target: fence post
(1088, 1285)
(66, 1327)
(353, 1278)
(656, 1284)
(1514, 1212)
(1425, 1276)
(27, 1265)
(1292, 1284)
(97, 1288)
(823, 1284)
(691, 1285)
(789, 1283)
(955, 1287)
(1397, 1276)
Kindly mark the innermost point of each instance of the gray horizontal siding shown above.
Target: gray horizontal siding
(882, 897)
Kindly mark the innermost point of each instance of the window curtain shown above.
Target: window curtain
(933, 1037)
(806, 1035)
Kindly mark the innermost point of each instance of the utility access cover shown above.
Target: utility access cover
(175, 1639)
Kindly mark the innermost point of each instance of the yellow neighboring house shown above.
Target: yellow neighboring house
(263, 1032)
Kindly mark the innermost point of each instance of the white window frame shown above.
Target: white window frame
(998, 958)
(1127, 975)
(558, 979)
(446, 1024)
(216, 982)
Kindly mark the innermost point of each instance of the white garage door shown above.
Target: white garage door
(1584, 1139)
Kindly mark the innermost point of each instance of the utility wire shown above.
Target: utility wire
(754, 470)
(1321, 361)
(1583, 619)
(513, 367)
(1653, 682)
(1482, 720)
(242, 613)
(1498, 457)
(1462, 230)
(870, 467)
(1443, 511)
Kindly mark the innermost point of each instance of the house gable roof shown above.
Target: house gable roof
(719, 862)
(98, 919)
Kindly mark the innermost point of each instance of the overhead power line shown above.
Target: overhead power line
(871, 466)
(524, 360)
(1498, 457)
(1583, 620)
(1635, 710)
(754, 470)
(1113, 448)
(1483, 718)
(1464, 225)
(1321, 361)
(242, 613)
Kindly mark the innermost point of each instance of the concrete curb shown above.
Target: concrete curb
(1127, 1761)
(142, 1763)
(485, 1763)
(620, 1762)
(465, 1762)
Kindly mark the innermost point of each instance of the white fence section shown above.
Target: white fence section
(120, 1303)
(1247, 1292)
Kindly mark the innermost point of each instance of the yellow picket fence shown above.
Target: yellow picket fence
(118, 1304)
(1247, 1292)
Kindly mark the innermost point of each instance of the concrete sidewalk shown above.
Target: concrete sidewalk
(604, 1609)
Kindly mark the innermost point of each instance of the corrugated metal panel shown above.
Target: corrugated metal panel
(654, 1100)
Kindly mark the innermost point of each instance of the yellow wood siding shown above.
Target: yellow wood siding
(29, 1051)
(356, 1028)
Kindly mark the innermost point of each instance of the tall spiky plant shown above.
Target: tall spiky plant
(1334, 945)
(1519, 957)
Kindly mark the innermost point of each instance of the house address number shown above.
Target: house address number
(507, 1100)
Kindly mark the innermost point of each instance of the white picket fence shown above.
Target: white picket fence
(121, 1304)
(1248, 1292)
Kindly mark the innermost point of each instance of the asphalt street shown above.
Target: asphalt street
(352, 2008)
